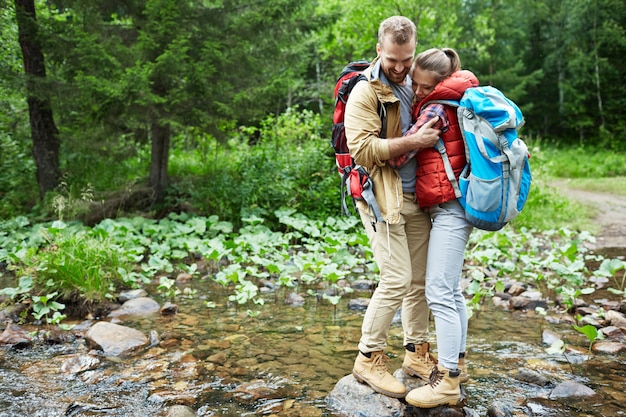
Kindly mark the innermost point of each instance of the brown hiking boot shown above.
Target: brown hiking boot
(418, 361)
(464, 376)
(371, 369)
(443, 388)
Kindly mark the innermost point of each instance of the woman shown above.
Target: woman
(437, 75)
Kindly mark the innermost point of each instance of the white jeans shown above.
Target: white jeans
(446, 249)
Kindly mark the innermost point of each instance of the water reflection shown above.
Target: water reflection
(210, 359)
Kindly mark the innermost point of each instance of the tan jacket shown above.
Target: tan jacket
(363, 126)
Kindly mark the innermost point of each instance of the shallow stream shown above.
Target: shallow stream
(223, 361)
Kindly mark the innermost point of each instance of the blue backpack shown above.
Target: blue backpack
(494, 185)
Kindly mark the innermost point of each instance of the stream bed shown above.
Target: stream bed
(276, 359)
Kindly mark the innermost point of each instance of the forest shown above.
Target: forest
(182, 147)
(202, 104)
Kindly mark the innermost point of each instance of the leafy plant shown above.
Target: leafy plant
(590, 332)
(609, 268)
(22, 291)
(43, 305)
(167, 287)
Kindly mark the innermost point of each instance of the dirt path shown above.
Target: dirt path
(611, 214)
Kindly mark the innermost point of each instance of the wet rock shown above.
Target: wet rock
(56, 336)
(184, 278)
(515, 289)
(172, 397)
(80, 409)
(141, 306)
(12, 313)
(180, 411)
(548, 337)
(353, 399)
(499, 409)
(15, 336)
(615, 318)
(531, 377)
(584, 311)
(613, 333)
(76, 364)
(266, 285)
(293, 299)
(501, 302)
(534, 295)
(442, 411)
(169, 309)
(410, 382)
(571, 389)
(131, 295)
(219, 358)
(608, 347)
(358, 304)
(363, 285)
(591, 320)
(289, 408)
(262, 389)
(608, 304)
(522, 302)
(154, 338)
(115, 340)
(82, 327)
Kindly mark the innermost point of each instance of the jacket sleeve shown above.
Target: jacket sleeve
(429, 112)
(363, 126)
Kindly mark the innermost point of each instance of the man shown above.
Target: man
(400, 243)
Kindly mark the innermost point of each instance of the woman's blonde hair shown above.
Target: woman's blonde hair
(442, 62)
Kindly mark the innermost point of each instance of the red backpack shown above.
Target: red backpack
(355, 181)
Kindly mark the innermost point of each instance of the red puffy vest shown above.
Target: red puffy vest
(432, 185)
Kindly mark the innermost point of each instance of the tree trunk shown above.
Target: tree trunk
(43, 130)
(159, 157)
(597, 65)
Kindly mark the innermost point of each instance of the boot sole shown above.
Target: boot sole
(377, 389)
(461, 402)
(412, 372)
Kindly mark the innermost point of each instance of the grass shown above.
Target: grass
(613, 185)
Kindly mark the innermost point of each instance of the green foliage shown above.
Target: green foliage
(18, 189)
(590, 332)
(610, 268)
(69, 263)
(116, 72)
(581, 161)
(286, 162)
(64, 259)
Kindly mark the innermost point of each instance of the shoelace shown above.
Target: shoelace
(380, 363)
(435, 377)
(427, 358)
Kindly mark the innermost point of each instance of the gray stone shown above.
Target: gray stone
(76, 364)
(571, 389)
(531, 377)
(180, 411)
(615, 318)
(115, 340)
(131, 295)
(353, 399)
(142, 306)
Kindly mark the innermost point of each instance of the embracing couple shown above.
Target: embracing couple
(419, 247)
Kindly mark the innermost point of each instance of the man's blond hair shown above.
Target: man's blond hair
(400, 29)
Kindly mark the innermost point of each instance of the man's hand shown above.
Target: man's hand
(426, 136)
